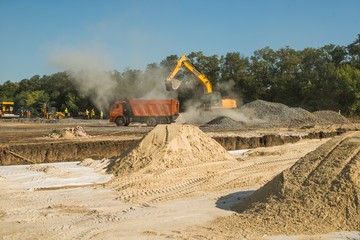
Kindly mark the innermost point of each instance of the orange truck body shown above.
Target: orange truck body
(151, 112)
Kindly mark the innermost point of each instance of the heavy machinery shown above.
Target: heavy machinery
(52, 113)
(7, 109)
(212, 100)
(151, 112)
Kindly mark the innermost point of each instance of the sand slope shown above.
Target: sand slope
(319, 194)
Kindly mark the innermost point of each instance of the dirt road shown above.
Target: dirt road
(153, 206)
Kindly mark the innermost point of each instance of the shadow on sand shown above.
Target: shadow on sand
(228, 201)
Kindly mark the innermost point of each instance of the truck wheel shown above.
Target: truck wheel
(51, 116)
(163, 120)
(151, 121)
(60, 117)
(120, 121)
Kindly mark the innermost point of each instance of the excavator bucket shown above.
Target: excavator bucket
(172, 84)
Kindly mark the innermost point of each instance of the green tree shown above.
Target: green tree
(235, 70)
(354, 52)
(263, 68)
(209, 66)
(348, 89)
(8, 91)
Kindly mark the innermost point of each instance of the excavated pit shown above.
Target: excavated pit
(67, 151)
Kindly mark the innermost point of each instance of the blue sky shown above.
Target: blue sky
(132, 34)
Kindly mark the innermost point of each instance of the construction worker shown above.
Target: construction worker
(21, 113)
(66, 112)
(28, 114)
(101, 115)
(87, 114)
(92, 113)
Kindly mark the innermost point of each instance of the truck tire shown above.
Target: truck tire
(60, 117)
(120, 121)
(151, 121)
(163, 120)
(51, 116)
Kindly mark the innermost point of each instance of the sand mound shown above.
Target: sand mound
(169, 146)
(68, 133)
(43, 168)
(51, 170)
(319, 194)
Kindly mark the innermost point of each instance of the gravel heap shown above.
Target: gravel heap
(331, 117)
(227, 121)
(265, 114)
(270, 112)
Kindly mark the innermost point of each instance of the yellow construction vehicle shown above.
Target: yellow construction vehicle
(7, 110)
(52, 113)
(212, 100)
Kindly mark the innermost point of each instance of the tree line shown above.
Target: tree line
(325, 78)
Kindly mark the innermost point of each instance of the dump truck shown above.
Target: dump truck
(212, 100)
(7, 109)
(151, 112)
(52, 113)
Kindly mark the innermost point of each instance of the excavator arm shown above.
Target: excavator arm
(212, 100)
(173, 84)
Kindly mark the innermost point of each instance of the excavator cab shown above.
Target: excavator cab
(212, 99)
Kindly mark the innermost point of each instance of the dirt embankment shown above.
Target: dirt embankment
(76, 150)
(269, 140)
(63, 151)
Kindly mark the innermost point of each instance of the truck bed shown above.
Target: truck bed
(154, 107)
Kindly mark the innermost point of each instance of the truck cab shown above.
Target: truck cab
(117, 113)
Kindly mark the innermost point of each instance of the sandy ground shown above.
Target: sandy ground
(68, 201)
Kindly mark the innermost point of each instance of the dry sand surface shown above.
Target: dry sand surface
(179, 185)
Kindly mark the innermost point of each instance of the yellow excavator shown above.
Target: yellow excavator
(212, 100)
(52, 113)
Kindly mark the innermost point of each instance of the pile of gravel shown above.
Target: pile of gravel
(223, 120)
(223, 123)
(331, 117)
(269, 114)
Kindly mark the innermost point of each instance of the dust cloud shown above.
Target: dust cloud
(155, 83)
(88, 71)
(195, 112)
(89, 75)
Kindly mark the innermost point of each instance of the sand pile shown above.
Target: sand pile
(169, 146)
(42, 168)
(51, 170)
(68, 133)
(319, 194)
